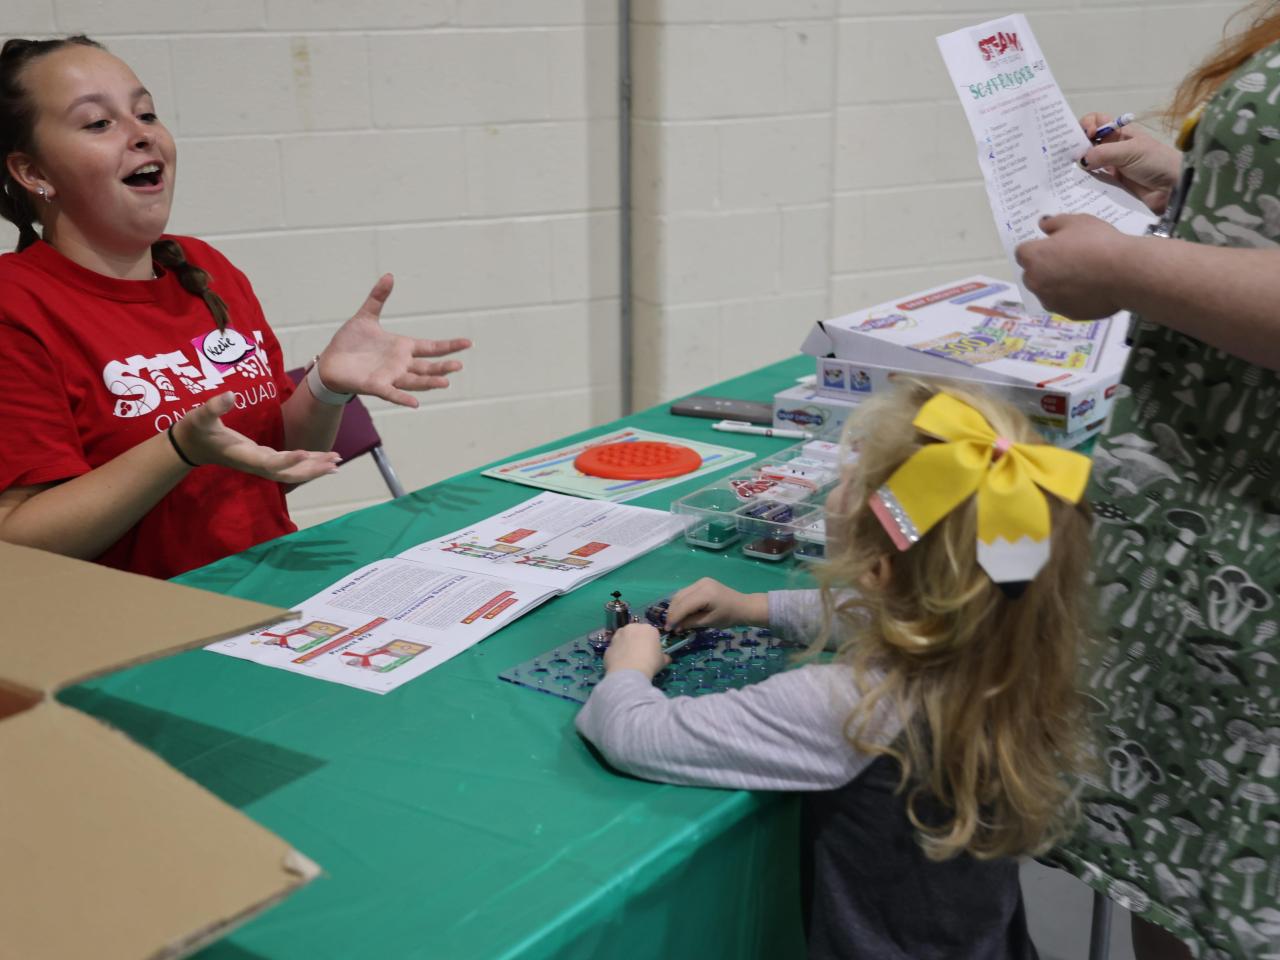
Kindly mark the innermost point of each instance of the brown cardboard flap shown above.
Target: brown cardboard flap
(68, 620)
(108, 853)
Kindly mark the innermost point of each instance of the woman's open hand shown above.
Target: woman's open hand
(365, 358)
(205, 439)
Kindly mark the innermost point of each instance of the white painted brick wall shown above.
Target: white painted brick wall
(733, 185)
(468, 146)
(795, 160)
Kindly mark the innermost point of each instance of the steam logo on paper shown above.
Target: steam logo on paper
(224, 348)
(1001, 47)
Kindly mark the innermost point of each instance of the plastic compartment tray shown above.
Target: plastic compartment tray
(734, 659)
(769, 527)
(811, 540)
(764, 516)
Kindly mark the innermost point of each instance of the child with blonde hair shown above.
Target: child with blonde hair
(941, 740)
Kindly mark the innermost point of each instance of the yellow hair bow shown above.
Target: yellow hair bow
(1013, 515)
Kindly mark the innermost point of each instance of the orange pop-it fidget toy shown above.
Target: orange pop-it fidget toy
(638, 460)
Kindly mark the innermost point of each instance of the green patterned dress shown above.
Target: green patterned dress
(1182, 825)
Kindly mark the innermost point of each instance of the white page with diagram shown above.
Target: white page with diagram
(552, 539)
(1029, 140)
(395, 619)
(387, 623)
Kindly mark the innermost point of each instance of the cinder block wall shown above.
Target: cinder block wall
(797, 159)
(467, 146)
(733, 194)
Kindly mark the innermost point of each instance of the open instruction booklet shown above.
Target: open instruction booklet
(395, 619)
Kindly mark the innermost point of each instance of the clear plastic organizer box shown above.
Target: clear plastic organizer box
(771, 511)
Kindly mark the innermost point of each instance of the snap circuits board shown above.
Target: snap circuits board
(702, 661)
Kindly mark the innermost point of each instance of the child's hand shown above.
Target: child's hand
(709, 603)
(635, 647)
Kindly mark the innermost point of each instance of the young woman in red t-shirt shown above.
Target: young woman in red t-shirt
(147, 418)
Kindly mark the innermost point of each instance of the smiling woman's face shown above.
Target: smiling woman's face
(105, 159)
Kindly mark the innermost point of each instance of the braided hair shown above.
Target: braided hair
(169, 254)
(17, 126)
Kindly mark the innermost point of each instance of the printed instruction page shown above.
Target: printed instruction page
(555, 540)
(387, 623)
(395, 619)
(1029, 140)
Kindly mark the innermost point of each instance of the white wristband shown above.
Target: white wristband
(323, 393)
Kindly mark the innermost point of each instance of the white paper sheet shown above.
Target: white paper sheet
(554, 540)
(395, 619)
(387, 623)
(1029, 141)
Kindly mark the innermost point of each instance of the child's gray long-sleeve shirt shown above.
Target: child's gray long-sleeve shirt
(871, 891)
(785, 733)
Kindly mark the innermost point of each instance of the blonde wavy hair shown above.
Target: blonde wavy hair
(993, 725)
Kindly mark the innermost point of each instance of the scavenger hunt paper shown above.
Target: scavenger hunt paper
(1029, 141)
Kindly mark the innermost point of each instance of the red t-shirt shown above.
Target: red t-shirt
(94, 365)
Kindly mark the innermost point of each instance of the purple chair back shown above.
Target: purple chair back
(356, 434)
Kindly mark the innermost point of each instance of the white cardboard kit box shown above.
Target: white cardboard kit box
(803, 408)
(1062, 374)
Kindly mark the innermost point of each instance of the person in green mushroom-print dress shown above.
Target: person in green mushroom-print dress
(1182, 823)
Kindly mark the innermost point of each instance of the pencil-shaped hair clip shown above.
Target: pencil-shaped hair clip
(1009, 480)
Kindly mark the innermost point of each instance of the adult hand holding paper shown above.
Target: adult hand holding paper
(1067, 270)
(1134, 161)
(1029, 141)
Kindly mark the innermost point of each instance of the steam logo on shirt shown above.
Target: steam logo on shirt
(142, 385)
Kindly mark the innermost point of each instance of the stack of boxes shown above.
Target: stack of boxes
(1062, 374)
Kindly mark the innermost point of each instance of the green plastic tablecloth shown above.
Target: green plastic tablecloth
(461, 816)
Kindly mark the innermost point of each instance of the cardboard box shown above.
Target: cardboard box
(803, 408)
(1062, 374)
(849, 380)
(106, 851)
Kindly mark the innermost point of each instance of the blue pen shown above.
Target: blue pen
(1109, 128)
